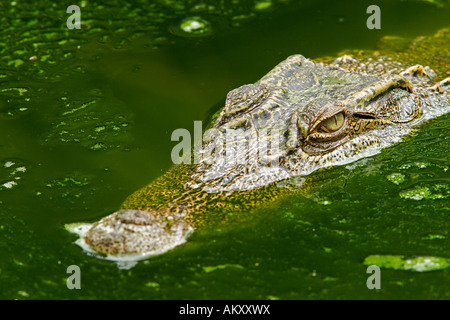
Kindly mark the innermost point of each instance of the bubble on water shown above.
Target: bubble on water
(192, 27)
(435, 192)
(420, 165)
(9, 184)
(396, 178)
(8, 164)
(12, 171)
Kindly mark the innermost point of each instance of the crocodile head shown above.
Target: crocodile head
(300, 117)
(303, 116)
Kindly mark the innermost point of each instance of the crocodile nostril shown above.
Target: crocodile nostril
(136, 217)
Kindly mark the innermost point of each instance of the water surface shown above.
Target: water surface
(87, 121)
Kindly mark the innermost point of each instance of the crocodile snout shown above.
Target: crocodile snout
(136, 231)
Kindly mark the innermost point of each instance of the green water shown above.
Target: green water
(88, 121)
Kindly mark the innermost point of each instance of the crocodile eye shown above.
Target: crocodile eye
(333, 123)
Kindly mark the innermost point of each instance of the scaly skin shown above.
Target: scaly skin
(302, 116)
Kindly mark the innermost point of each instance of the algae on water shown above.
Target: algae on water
(417, 264)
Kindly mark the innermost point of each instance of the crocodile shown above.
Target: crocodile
(302, 116)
